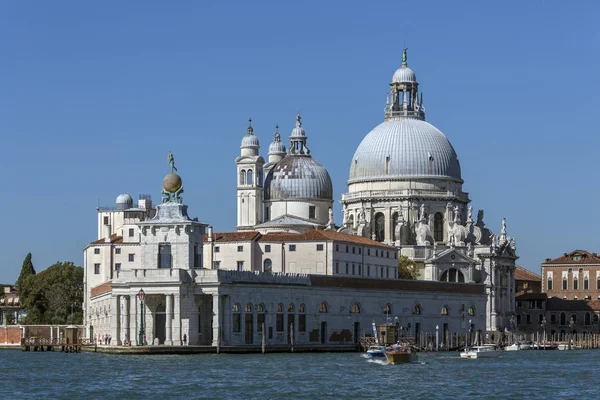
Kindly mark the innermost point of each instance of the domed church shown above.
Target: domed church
(405, 189)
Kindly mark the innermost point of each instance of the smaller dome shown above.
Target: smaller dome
(250, 140)
(172, 182)
(298, 131)
(124, 201)
(277, 147)
(404, 75)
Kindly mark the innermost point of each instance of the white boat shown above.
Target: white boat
(518, 346)
(564, 346)
(481, 352)
(376, 351)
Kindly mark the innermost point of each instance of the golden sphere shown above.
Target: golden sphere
(172, 182)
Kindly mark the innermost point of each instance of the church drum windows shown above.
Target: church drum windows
(249, 177)
(452, 275)
(438, 227)
(379, 227)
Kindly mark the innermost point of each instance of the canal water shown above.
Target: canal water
(516, 375)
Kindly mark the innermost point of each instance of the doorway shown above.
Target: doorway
(323, 332)
(160, 323)
(248, 329)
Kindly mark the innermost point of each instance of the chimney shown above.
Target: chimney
(209, 234)
(107, 233)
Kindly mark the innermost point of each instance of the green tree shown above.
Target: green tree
(26, 270)
(54, 296)
(407, 269)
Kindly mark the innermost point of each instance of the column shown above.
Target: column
(133, 327)
(169, 320)
(216, 308)
(114, 319)
(176, 329)
(125, 319)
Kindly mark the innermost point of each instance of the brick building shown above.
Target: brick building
(573, 276)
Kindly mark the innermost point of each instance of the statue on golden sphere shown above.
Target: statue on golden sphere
(172, 184)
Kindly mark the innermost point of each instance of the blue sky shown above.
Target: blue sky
(93, 95)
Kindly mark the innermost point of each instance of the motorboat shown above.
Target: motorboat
(518, 346)
(565, 346)
(401, 355)
(481, 352)
(376, 351)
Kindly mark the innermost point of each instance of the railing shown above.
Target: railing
(405, 193)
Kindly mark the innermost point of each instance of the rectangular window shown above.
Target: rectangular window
(353, 249)
(266, 213)
(553, 318)
(347, 249)
(319, 247)
(117, 266)
(217, 249)
(540, 318)
(586, 284)
(381, 270)
(97, 269)
(353, 268)
(347, 268)
(240, 265)
(96, 251)
(279, 323)
(302, 323)
(565, 284)
(598, 284)
(519, 304)
(518, 319)
(131, 257)
(267, 248)
(337, 247)
(360, 270)
(388, 254)
(237, 325)
(240, 249)
(368, 270)
(368, 252)
(376, 253)
(311, 212)
(575, 284)
(216, 264)
(387, 272)
(549, 284)
(164, 255)
(131, 232)
(118, 250)
(528, 318)
(337, 267)
(197, 258)
(105, 220)
(292, 247)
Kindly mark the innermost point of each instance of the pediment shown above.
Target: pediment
(451, 256)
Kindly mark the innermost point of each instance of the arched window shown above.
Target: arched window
(356, 308)
(323, 307)
(260, 308)
(565, 283)
(379, 227)
(452, 275)
(291, 308)
(249, 308)
(438, 227)
(587, 319)
(575, 283)
(417, 310)
(280, 307)
(237, 319)
(301, 318)
(471, 311)
(394, 224)
(267, 265)
(387, 309)
(249, 180)
(243, 177)
(586, 283)
(595, 319)
(445, 310)
(563, 318)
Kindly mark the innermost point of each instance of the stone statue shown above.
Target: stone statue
(422, 212)
(456, 214)
(503, 226)
(172, 162)
(404, 58)
(470, 217)
(330, 215)
(469, 249)
(480, 217)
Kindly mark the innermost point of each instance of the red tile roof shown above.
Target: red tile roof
(312, 235)
(233, 236)
(586, 258)
(523, 274)
(101, 289)
(113, 239)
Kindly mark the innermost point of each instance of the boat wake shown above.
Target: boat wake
(380, 362)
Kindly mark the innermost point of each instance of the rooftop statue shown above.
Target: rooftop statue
(172, 162)
(404, 56)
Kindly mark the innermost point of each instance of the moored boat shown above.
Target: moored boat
(518, 346)
(481, 352)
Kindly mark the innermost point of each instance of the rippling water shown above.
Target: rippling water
(518, 374)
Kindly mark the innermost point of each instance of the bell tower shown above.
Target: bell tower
(249, 182)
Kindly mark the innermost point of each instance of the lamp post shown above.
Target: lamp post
(141, 295)
(437, 346)
(469, 338)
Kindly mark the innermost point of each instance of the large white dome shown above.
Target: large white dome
(404, 148)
